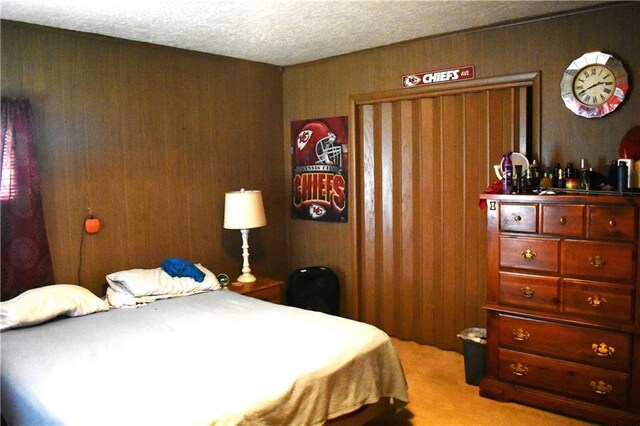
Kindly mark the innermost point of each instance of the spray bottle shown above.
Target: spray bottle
(507, 173)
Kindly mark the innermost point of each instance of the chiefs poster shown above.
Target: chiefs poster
(319, 169)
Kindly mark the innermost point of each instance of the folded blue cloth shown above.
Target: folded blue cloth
(177, 267)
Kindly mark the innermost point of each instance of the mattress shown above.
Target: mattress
(211, 358)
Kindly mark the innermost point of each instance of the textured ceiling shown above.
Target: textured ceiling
(279, 32)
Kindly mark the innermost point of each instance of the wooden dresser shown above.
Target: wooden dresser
(563, 309)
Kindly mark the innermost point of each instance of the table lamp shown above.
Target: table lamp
(244, 210)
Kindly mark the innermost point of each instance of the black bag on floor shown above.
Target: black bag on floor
(315, 288)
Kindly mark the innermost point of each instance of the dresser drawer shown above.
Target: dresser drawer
(612, 222)
(529, 291)
(536, 254)
(610, 301)
(590, 383)
(592, 346)
(519, 217)
(564, 220)
(596, 259)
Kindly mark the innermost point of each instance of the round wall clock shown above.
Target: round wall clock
(594, 85)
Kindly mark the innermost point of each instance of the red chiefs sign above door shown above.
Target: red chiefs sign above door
(468, 72)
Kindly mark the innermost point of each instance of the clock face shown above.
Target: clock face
(594, 85)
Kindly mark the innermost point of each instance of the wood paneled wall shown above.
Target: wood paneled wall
(323, 89)
(150, 138)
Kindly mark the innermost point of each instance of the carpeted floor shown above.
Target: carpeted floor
(438, 394)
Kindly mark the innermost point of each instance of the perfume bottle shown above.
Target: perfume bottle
(561, 183)
(569, 171)
(527, 181)
(570, 179)
(546, 182)
(535, 174)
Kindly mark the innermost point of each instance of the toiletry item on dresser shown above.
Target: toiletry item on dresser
(546, 182)
(560, 183)
(518, 179)
(556, 173)
(569, 171)
(535, 174)
(528, 181)
(580, 175)
(583, 168)
(507, 174)
(570, 179)
(630, 169)
(623, 175)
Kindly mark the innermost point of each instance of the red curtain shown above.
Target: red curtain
(26, 262)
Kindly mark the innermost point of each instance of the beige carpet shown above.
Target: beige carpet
(438, 394)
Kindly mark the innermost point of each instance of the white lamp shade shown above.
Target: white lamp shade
(244, 210)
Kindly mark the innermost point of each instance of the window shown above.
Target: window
(7, 184)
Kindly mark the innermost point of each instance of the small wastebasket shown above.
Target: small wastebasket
(474, 346)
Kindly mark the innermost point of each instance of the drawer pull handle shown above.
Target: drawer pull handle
(603, 349)
(517, 217)
(563, 220)
(601, 387)
(520, 334)
(612, 223)
(597, 261)
(519, 369)
(528, 254)
(596, 301)
(528, 292)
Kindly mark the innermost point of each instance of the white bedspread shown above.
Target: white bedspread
(211, 358)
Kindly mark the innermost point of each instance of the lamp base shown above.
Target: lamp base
(246, 278)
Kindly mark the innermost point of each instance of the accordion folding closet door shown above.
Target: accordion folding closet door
(423, 156)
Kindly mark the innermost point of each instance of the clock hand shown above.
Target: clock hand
(591, 87)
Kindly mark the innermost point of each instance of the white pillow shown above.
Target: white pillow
(139, 286)
(44, 303)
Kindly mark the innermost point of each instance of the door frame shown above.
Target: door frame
(530, 79)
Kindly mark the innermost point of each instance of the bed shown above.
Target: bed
(213, 357)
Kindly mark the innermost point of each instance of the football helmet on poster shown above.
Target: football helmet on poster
(316, 144)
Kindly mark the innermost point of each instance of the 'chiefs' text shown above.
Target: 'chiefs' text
(327, 189)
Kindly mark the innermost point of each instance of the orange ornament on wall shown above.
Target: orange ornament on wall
(92, 224)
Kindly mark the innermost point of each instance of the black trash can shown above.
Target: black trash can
(474, 347)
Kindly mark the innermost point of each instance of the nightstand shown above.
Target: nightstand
(266, 289)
